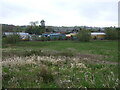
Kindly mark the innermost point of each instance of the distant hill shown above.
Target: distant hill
(12, 28)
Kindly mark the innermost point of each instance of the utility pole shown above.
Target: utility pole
(119, 14)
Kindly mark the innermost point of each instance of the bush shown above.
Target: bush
(71, 37)
(60, 38)
(48, 38)
(46, 74)
(45, 38)
(111, 34)
(54, 38)
(42, 38)
(4, 42)
(66, 38)
(37, 38)
(84, 35)
(11, 39)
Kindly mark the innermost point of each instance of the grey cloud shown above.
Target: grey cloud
(92, 10)
(58, 10)
(13, 11)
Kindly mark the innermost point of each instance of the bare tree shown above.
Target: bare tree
(33, 23)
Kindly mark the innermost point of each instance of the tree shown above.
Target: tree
(29, 30)
(42, 29)
(35, 30)
(111, 33)
(84, 35)
(33, 23)
(49, 29)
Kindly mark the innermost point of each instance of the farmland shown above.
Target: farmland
(61, 64)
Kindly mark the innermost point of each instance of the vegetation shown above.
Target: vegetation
(43, 38)
(49, 29)
(108, 49)
(60, 38)
(11, 39)
(60, 64)
(111, 33)
(84, 35)
(35, 30)
(12, 28)
(57, 72)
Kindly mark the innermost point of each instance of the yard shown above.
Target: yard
(61, 64)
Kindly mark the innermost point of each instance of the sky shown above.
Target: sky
(95, 13)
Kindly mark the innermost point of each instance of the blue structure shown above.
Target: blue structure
(45, 35)
(23, 36)
(54, 35)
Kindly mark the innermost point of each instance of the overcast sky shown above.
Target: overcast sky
(100, 13)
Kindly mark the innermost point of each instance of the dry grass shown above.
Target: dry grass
(83, 66)
(58, 71)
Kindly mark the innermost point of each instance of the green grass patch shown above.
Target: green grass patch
(93, 76)
(62, 73)
(109, 49)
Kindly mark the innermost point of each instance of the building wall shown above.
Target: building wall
(98, 36)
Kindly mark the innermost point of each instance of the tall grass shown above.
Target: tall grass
(52, 72)
(60, 64)
(10, 39)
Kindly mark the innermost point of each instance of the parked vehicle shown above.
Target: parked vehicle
(71, 36)
(54, 36)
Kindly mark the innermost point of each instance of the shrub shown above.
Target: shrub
(32, 52)
(42, 38)
(54, 38)
(45, 38)
(66, 38)
(36, 38)
(11, 39)
(60, 38)
(71, 37)
(84, 35)
(46, 74)
(48, 38)
(111, 33)
(3, 42)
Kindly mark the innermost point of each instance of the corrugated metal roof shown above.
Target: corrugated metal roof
(20, 33)
(55, 34)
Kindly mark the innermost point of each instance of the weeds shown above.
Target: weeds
(56, 72)
(46, 74)
(62, 67)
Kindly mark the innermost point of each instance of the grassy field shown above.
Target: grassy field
(105, 48)
(61, 64)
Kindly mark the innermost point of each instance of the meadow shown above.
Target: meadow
(61, 64)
